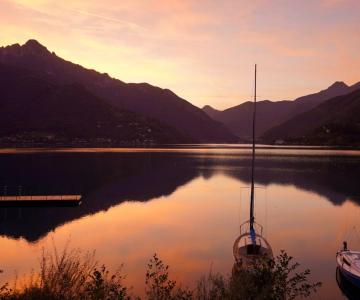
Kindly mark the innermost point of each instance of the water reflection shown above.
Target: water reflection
(107, 179)
(185, 206)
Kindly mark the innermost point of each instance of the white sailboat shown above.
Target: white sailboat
(251, 244)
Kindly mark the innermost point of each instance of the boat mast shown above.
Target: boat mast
(252, 218)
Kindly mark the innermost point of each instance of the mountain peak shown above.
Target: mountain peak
(34, 47)
(338, 85)
(207, 107)
(210, 109)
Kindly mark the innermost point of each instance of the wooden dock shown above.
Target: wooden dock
(40, 200)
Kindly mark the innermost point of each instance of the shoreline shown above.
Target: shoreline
(179, 146)
(203, 149)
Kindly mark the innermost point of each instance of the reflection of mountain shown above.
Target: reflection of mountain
(107, 179)
(104, 180)
(334, 178)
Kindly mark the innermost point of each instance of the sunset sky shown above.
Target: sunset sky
(202, 50)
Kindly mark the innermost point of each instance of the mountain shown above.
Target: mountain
(36, 110)
(334, 122)
(143, 98)
(271, 114)
(310, 101)
(239, 118)
(211, 112)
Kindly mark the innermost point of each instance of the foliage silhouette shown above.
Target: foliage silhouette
(73, 274)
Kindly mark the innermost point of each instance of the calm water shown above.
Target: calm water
(184, 204)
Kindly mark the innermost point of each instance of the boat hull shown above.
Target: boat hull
(350, 290)
(246, 254)
(346, 271)
(350, 277)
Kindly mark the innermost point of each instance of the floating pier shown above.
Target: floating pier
(39, 200)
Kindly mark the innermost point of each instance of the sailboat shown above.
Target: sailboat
(251, 244)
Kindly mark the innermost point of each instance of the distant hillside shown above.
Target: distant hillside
(239, 118)
(271, 114)
(334, 122)
(211, 112)
(143, 98)
(33, 109)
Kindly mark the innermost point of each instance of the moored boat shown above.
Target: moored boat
(251, 245)
(348, 262)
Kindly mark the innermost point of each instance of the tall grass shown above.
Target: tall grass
(73, 274)
(70, 274)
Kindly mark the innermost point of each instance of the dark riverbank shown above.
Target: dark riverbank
(135, 145)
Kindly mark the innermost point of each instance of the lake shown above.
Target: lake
(185, 204)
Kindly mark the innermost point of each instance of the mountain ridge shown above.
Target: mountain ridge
(273, 113)
(336, 121)
(34, 110)
(141, 98)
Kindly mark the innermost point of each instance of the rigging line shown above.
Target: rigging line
(240, 215)
(356, 233)
(344, 231)
(255, 196)
(351, 233)
(266, 213)
(347, 224)
(340, 234)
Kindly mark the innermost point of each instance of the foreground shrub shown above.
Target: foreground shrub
(273, 279)
(158, 284)
(74, 275)
(69, 275)
(213, 286)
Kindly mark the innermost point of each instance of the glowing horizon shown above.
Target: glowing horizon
(204, 50)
